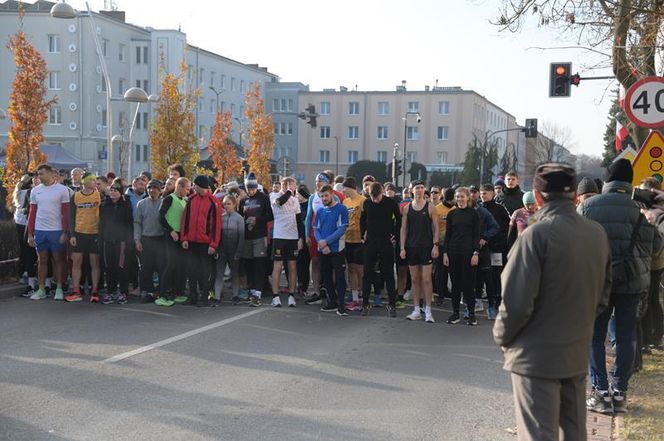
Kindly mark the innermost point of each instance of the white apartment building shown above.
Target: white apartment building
(135, 56)
(366, 125)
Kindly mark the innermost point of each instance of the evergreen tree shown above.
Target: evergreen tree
(615, 114)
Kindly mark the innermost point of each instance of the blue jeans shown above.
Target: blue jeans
(625, 309)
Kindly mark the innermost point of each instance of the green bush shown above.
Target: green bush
(9, 248)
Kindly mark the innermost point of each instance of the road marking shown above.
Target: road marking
(188, 334)
(145, 312)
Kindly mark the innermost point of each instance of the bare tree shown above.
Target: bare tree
(626, 34)
(554, 143)
(590, 166)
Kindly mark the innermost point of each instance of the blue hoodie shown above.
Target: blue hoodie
(330, 225)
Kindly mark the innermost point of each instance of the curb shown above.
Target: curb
(618, 426)
(10, 290)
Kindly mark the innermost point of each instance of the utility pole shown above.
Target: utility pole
(395, 153)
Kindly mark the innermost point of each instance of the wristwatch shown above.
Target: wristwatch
(476, 253)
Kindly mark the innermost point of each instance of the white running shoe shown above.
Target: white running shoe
(40, 294)
(291, 301)
(276, 302)
(407, 295)
(414, 316)
(429, 318)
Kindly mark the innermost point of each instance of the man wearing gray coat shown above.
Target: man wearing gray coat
(557, 278)
(633, 241)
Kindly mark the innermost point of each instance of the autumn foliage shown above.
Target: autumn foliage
(28, 110)
(173, 135)
(260, 134)
(221, 149)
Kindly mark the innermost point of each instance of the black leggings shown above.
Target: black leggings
(200, 270)
(381, 252)
(114, 274)
(27, 261)
(462, 274)
(173, 281)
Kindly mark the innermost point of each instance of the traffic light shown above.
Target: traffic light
(559, 80)
(312, 115)
(398, 168)
(531, 128)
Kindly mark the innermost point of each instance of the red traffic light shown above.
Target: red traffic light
(561, 70)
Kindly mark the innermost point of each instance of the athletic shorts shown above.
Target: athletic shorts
(354, 253)
(49, 241)
(284, 250)
(255, 248)
(397, 257)
(86, 244)
(313, 245)
(417, 256)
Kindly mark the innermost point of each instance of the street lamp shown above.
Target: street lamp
(3, 114)
(395, 153)
(217, 92)
(63, 10)
(405, 140)
(240, 123)
(336, 139)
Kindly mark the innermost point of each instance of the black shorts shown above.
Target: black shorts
(284, 250)
(417, 256)
(397, 257)
(86, 244)
(354, 253)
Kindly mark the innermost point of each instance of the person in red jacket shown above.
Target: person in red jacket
(200, 234)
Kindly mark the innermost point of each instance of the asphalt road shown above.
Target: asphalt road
(140, 372)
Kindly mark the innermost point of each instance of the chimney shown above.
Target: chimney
(115, 15)
(343, 89)
(427, 88)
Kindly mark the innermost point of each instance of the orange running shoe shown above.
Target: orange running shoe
(94, 298)
(74, 297)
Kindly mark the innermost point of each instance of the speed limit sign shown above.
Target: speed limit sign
(644, 102)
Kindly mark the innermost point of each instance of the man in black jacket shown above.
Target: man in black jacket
(497, 245)
(511, 196)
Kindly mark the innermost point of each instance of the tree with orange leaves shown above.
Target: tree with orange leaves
(28, 110)
(260, 134)
(221, 149)
(173, 136)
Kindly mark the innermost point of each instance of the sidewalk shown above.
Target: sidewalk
(602, 427)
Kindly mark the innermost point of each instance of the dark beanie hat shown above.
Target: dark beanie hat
(620, 170)
(349, 183)
(554, 177)
(586, 186)
(202, 181)
(448, 194)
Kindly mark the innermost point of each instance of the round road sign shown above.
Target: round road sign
(644, 102)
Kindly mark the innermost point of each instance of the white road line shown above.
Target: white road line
(188, 334)
(143, 311)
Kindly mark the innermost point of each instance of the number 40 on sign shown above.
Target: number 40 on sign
(644, 102)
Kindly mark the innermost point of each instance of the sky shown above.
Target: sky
(375, 44)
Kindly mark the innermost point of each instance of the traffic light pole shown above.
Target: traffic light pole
(488, 134)
(395, 152)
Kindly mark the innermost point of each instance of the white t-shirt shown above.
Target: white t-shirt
(49, 200)
(285, 217)
(19, 215)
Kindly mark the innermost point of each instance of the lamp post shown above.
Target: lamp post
(239, 121)
(405, 140)
(395, 153)
(3, 114)
(217, 92)
(336, 139)
(63, 10)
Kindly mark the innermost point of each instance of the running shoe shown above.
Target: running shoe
(179, 300)
(599, 401)
(491, 313)
(391, 311)
(354, 306)
(40, 294)
(147, 297)
(314, 300)
(108, 299)
(407, 295)
(428, 318)
(323, 292)
(235, 300)
(59, 294)
(243, 294)
(211, 296)
(74, 297)
(291, 301)
(400, 304)
(254, 301)
(122, 299)
(466, 314)
(342, 312)
(619, 401)
(472, 320)
(378, 301)
(276, 302)
(365, 311)
(414, 316)
(329, 308)
(28, 292)
(453, 319)
(163, 301)
(94, 297)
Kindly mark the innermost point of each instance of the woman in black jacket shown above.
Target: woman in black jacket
(116, 230)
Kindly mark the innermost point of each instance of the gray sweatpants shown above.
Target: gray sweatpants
(550, 409)
(227, 258)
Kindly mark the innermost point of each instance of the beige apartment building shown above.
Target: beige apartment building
(436, 125)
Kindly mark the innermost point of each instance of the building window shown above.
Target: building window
(122, 48)
(290, 128)
(137, 147)
(138, 55)
(103, 83)
(242, 86)
(290, 105)
(443, 107)
(211, 78)
(325, 132)
(381, 156)
(354, 108)
(146, 152)
(276, 128)
(232, 83)
(212, 106)
(412, 157)
(325, 108)
(383, 108)
(411, 133)
(324, 156)
(353, 156)
(222, 80)
(54, 44)
(103, 118)
(54, 80)
(145, 120)
(275, 105)
(222, 107)
(55, 115)
(233, 110)
(145, 55)
(121, 86)
(283, 105)
(413, 106)
(201, 76)
(442, 133)
(441, 157)
(353, 132)
(145, 87)
(382, 132)
(122, 120)
(104, 47)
